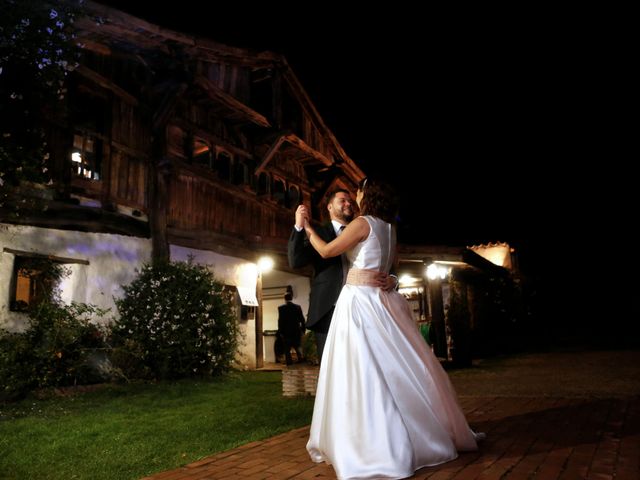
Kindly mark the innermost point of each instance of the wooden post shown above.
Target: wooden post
(259, 345)
(437, 318)
(159, 199)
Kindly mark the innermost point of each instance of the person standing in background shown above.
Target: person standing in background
(290, 327)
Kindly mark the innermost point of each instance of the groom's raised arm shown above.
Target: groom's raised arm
(299, 250)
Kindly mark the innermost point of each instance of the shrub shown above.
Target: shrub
(54, 351)
(175, 321)
(309, 348)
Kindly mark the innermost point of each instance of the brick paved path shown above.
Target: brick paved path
(528, 438)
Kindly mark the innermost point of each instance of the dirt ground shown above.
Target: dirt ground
(597, 374)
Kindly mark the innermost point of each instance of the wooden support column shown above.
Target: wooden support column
(437, 319)
(159, 199)
(259, 341)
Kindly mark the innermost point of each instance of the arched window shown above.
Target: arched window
(240, 173)
(293, 196)
(223, 166)
(202, 153)
(263, 184)
(278, 191)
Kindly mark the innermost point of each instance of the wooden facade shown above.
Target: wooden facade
(186, 141)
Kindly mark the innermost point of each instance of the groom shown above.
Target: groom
(329, 274)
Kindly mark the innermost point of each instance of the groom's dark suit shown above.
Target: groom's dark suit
(326, 281)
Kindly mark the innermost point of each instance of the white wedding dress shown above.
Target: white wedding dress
(384, 405)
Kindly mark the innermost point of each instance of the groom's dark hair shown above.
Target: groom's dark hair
(333, 193)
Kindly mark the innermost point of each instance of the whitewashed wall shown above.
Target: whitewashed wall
(113, 260)
(230, 271)
(301, 290)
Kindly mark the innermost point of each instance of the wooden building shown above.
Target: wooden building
(174, 146)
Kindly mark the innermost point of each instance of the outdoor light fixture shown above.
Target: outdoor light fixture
(265, 264)
(434, 271)
(407, 279)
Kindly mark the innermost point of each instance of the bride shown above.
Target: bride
(384, 406)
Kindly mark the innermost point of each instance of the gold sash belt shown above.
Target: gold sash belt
(361, 276)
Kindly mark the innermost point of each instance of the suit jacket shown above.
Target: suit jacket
(290, 321)
(326, 281)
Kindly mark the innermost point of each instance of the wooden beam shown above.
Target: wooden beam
(167, 106)
(198, 131)
(120, 26)
(55, 258)
(133, 152)
(96, 47)
(302, 145)
(270, 153)
(106, 83)
(231, 102)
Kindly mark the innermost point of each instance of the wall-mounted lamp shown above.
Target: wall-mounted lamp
(436, 271)
(265, 264)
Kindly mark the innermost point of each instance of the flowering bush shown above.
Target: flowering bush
(54, 351)
(175, 321)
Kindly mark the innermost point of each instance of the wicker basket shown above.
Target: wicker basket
(299, 380)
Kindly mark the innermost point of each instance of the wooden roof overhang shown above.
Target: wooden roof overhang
(346, 164)
(227, 106)
(132, 34)
(293, 147)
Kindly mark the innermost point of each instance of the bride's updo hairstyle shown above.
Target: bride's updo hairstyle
(379, 200)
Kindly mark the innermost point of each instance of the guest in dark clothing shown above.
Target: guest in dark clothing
(290, 327)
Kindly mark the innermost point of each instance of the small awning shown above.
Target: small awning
(247, 296)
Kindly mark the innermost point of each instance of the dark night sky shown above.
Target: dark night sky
(451, 118)
(492, 131)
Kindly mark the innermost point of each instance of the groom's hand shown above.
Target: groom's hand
(384, 281)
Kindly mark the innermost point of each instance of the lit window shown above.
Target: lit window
(86, 157)
(202, 153)
(34, 280)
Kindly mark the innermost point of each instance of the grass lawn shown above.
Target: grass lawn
(129, 431)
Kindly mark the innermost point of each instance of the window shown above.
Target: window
(293, 196)
(34, 280)
(223, 165)
(86, 156)
(202, 153)
(240, 173)
(278, 191)
(90, 115)
(177, 144)
(263, 184)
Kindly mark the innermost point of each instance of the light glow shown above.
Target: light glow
(407, 280)
(437, 271)
(265, 264)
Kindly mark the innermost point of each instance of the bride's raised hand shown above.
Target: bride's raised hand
(308, 228)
